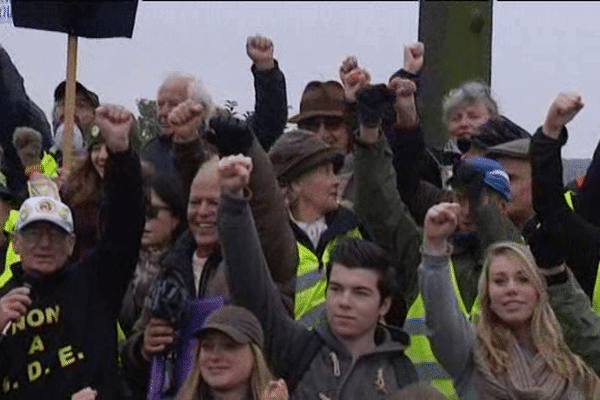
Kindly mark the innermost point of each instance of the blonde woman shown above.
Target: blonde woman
(229, 362)
(516, 349)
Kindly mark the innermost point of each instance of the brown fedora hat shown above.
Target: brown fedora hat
(321, 99)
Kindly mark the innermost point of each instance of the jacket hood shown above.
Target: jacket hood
(388, 339)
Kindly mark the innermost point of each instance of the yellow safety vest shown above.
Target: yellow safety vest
(419, 351)
(50, 166)
(596, 294)
(311, 279)
(11, 256)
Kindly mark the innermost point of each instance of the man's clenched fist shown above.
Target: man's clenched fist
(185, 119)
(413, 57)
(260, 51)
(562, 110)
(353, 78)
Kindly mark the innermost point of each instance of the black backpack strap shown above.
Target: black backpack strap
(299, 359)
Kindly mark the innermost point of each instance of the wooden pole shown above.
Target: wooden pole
(70, 95)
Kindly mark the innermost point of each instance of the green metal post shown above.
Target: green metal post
(458, 46)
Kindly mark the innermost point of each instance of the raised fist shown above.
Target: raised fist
(185, 120)
(440, 221)
(260, 51)
(115, 124)
(234, 174)
(372, 103)
(231, 135)
(404, 105)
(353, 77)
(562, 110)
(413, 57)
(546, 243)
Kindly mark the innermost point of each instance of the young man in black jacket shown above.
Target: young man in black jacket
(58, 319)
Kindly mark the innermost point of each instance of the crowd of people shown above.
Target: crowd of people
(340, 259)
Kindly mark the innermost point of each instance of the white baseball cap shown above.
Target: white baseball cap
(43, 208)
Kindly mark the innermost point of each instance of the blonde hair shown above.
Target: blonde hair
(495, 336)
(194, 387)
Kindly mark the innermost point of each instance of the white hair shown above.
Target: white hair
(196, 90)
(468, 92)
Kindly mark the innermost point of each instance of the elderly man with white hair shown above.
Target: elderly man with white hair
(268, 120)
(58, 319)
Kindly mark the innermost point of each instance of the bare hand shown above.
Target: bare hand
(157, 335)
(276, 390)
(440, 221)
(413, 57)
(14, 305)
(185, 119)
(234, 174)
(353, 78)
(260, 51)
(562, 110)
(115, 124)
(63, 176)
(405, 106)
(85, 394)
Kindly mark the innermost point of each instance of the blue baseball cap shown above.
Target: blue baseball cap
(495, 176)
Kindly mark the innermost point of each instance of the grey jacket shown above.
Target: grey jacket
(331, 374)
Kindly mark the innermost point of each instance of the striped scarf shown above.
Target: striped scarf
(526, 378)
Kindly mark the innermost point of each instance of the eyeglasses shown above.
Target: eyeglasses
(152, 211)
(313, 124)
(34, 235)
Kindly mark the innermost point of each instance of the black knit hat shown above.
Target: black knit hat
(299, 151)
(498, 130)
(59, 93)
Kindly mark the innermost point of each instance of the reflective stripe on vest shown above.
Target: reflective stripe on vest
(11, 255)
(50, 166)
(596, 294)
(569, 199)
(311, 280)
(419, 351)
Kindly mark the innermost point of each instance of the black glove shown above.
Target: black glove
(547, 245)
(230, 135)
(168, 301)
(372, 103)
(470, 177)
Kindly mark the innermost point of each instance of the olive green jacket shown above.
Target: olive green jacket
(391, 225)
(578, 320)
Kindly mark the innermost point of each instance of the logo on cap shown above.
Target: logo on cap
(45, 206)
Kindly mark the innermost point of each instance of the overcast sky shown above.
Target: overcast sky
(539, 49)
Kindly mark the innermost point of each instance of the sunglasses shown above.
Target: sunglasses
(313, 124)
(152, 211)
